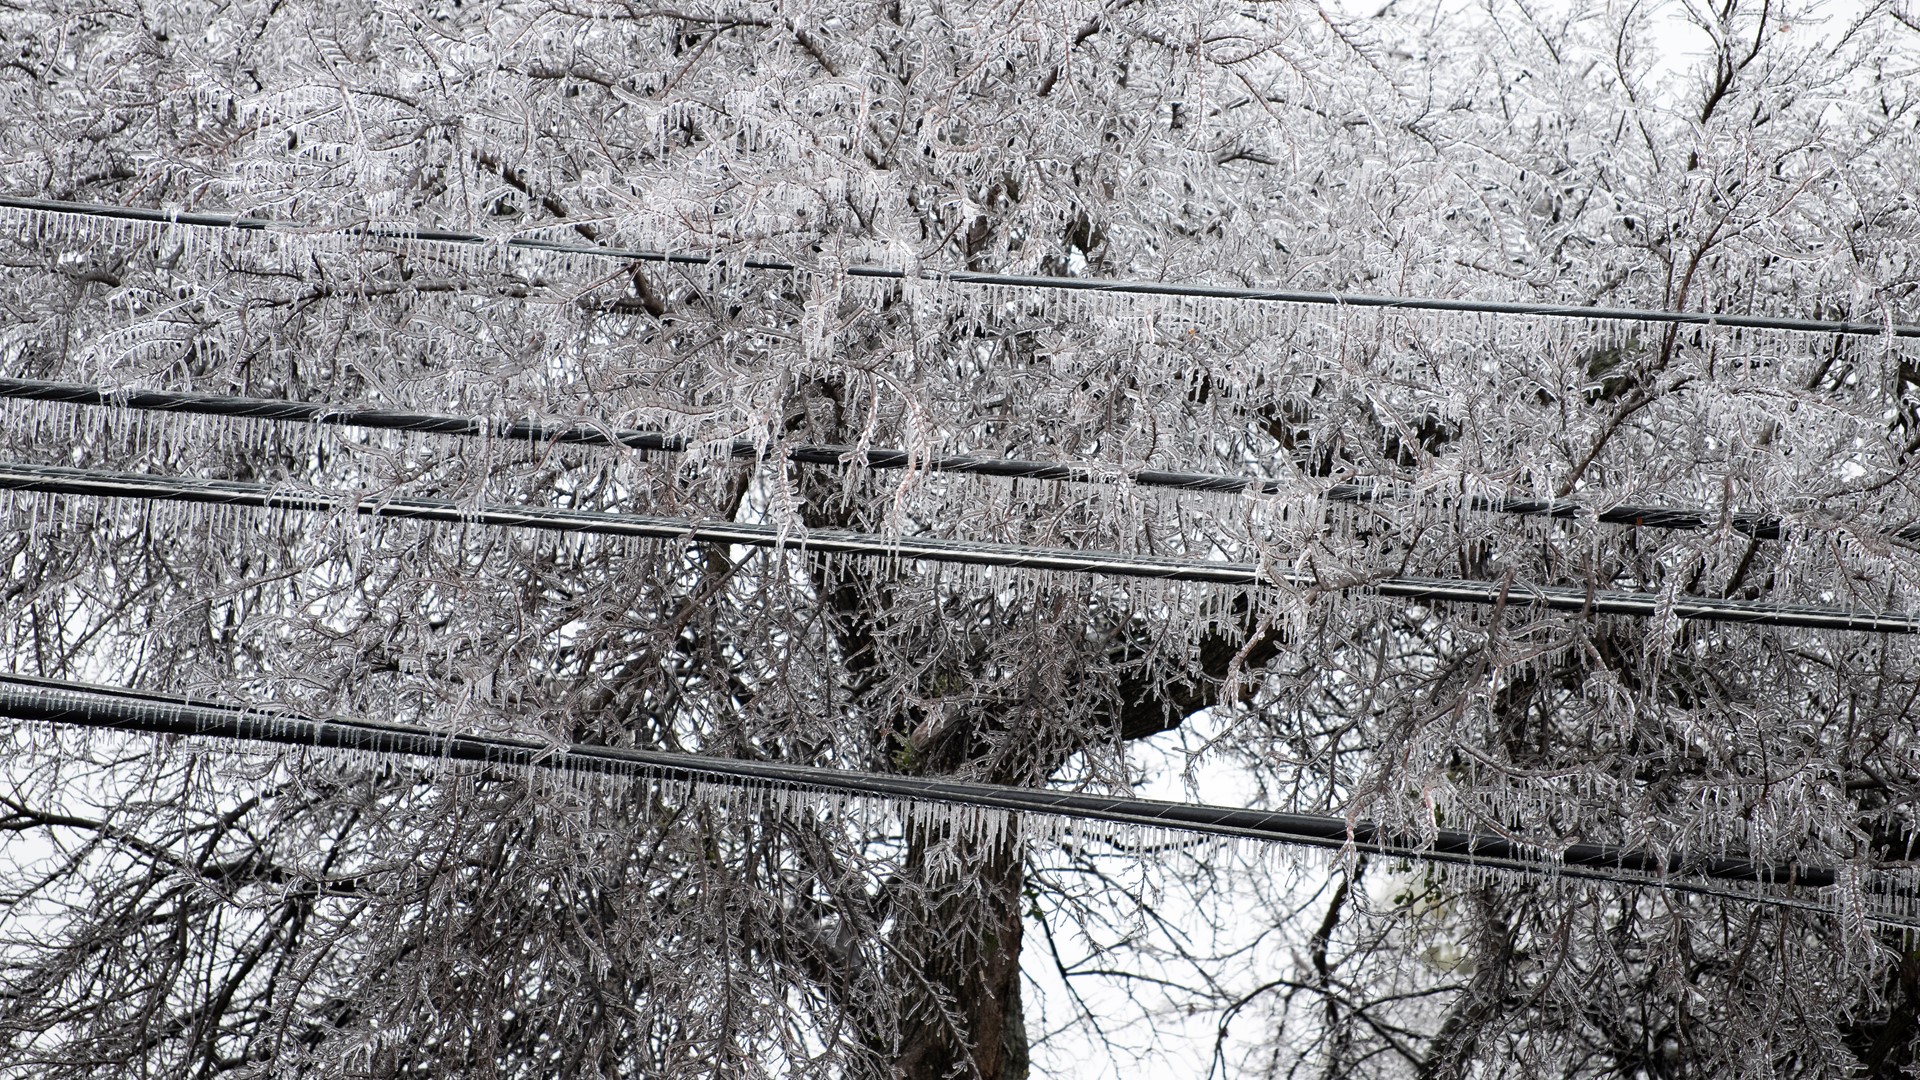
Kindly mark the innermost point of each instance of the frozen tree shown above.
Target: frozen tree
(185, 910)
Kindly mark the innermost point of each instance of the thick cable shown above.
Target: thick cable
(30, 698)
(60, 480)
(1020, 281)
(1759, 526)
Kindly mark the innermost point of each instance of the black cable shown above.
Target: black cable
(65, 481)
(1022, 281)
(1759, 526)
(51, 701)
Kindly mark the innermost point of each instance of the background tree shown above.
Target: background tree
(201, 914)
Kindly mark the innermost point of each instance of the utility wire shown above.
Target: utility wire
(1759, 526)
(87, 482)
(51, 701)
(1021, 281)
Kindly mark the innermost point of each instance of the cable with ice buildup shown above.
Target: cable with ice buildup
(968, 277)
(59, 480)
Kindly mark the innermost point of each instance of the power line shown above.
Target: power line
(1019, 281)
(1759, 526)
(66, 481)
(51, 701)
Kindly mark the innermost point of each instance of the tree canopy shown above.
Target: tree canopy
(1597, 530)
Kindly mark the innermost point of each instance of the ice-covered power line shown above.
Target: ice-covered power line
(968, 277)
(87, 482)
(31, 698)
(1760, 526)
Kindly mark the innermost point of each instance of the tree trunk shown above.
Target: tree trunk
(960, 924)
